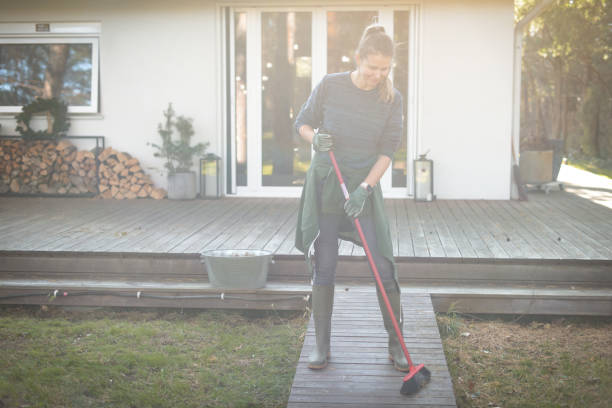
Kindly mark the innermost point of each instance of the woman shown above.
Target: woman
(357, 114)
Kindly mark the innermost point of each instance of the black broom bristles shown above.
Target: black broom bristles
(415, 382)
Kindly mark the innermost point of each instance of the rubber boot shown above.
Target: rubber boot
(396, 354)
(322, 305)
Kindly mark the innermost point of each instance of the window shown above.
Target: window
(61, 62)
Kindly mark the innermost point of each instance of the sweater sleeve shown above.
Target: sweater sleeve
(311, 112)
(391, 138)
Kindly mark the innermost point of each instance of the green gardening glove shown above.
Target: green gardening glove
(353, 207)
(322, 142)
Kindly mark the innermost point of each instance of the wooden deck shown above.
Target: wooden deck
(559, 226)
(552, 254)
(359, 373)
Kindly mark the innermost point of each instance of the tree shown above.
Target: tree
(567, 76)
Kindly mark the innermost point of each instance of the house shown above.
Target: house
(243, 69)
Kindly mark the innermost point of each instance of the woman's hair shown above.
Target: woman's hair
(376, 41)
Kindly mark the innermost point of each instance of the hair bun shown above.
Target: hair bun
(373, 29)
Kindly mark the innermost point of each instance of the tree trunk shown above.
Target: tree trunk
(54, 76)
(556, 100)
(525, 109)
(605, 127)
(564, 116)
(589, 116)
(596, 126)
(541, 132)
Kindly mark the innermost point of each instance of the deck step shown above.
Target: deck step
(561, 300)
(292, 269)
(61, 292)
(498, 299)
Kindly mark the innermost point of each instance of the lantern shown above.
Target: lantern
(423, 179)
(210, 176)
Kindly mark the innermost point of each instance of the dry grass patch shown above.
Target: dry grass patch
(529, 362)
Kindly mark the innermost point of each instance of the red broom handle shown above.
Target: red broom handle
(372, 265)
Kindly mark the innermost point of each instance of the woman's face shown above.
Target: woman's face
(373, 69)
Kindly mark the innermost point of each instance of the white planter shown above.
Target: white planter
(536, 166)
(182, 186)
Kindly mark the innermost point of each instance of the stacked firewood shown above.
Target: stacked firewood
(46, 167)
(59, 168)
(121, 177)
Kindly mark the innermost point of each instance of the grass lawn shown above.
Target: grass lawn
(52, 357)
(529, 361)
(594, 165)
(133, 358)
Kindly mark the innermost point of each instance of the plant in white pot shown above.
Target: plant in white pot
(179, 155)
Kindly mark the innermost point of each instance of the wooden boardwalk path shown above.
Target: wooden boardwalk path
(359, 373)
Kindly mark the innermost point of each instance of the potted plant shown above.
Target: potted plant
(179, 155)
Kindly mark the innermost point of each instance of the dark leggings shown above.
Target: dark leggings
(326, 250)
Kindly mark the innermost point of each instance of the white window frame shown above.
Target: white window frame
(59, 33)
(254, 186)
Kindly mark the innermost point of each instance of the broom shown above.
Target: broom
(418, 375)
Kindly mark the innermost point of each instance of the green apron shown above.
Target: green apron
(307, 229)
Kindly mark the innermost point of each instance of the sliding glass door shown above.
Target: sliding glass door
(276, 57)
(286, 78)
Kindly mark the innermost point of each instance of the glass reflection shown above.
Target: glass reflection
(241, 95)
(344, 29)
(286, 84)
(401, 21)
(45, 70)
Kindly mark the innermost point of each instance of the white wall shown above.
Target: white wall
(151, 52)
(465, 81)
(466, 96)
